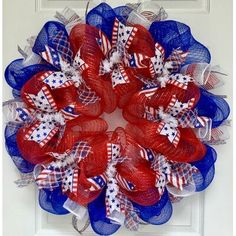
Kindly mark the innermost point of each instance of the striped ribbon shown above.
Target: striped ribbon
(168, 172)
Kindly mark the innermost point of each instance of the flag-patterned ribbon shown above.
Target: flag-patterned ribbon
(16, 111)
(118, 207)
(184, 115)
(170, 131)
(48, 119)
(158, 65)
(64, 170)
(68, 74)
(148, 90)
(176, 107)
(168, 172)
(116, 57)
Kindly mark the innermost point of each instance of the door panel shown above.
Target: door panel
(200, 215)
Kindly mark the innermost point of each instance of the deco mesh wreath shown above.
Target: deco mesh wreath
(151, 68)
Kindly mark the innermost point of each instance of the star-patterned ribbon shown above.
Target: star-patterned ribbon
(116, 57)
(184, 115)
(170, 131)
(49, 119)
(114, 209)
(98, 182)
(68, 74)
(176, 107)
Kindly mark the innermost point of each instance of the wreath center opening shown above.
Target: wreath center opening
(114, 119)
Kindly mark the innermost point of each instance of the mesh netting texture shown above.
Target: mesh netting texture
(73, 72)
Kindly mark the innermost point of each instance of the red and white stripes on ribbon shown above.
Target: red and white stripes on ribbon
(97, 182)
(123, 183)
(43, 100)
(119, 76)
(175, 60)
(137, 60)
(64, 170)
(69, 113)
(171, 132)
(51, 56)
(148, 91)
(147, 153)
(42, 132)
(151, 113)
(79, 63)
(180, 80)
(157, 61)
(104, 43)
(55, 79)
(122, 34)
(113, 201)
(212, 81)
(176, 108)
(113, 151)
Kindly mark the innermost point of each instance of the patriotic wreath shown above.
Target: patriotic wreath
(76, 69)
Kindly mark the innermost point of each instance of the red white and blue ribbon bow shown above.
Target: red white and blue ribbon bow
(176, 108)
(157, 65)
(64, 170)
(168, 172)
(98, 182)
(48, 119)
(175, 174)
(118, 207)
(188, 118)
(116, 57)
(69, 73)
(170, 131)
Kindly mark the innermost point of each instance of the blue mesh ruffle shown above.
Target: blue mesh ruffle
(103, 16)
(97, 213)
(55, 36)
(172, 35)
(12, 149)
(206, 167)
(156, 214)
(16, 74)
(53, 201)
(213, 107)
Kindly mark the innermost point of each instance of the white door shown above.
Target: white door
(208, 214)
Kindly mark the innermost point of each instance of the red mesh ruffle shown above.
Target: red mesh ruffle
(63, 140)
(189, 148)
(62, 96)
(84, 37)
